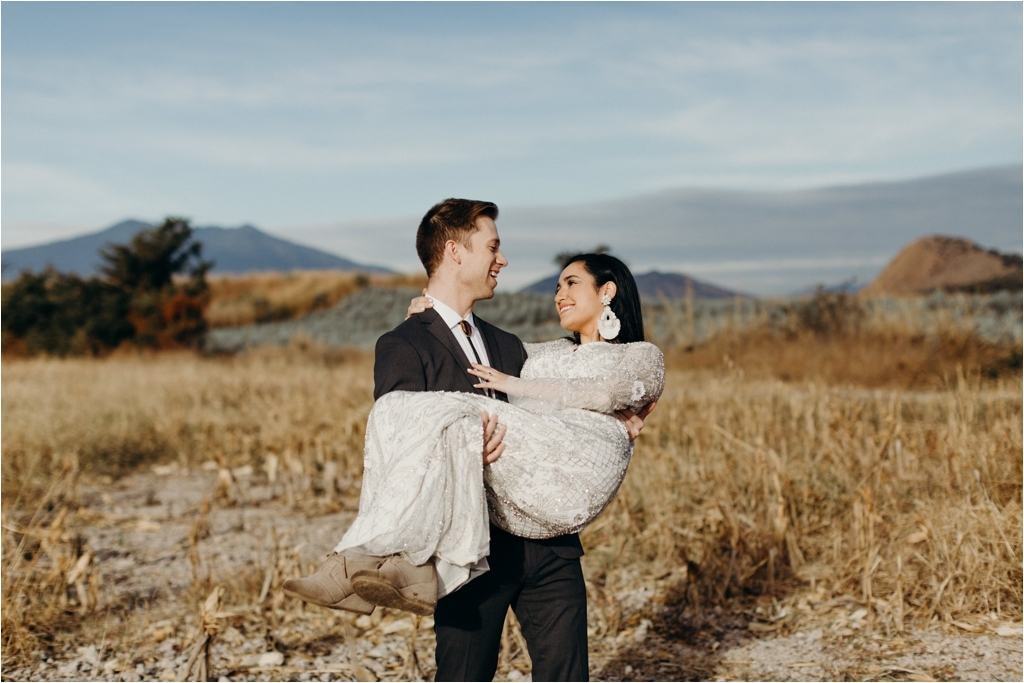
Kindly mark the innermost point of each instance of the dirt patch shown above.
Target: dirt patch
(817, 655)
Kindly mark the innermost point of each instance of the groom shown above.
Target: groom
(541, 580)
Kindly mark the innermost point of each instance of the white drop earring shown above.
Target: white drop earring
(608, 326)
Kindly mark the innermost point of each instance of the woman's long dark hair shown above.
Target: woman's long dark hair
(625, 303)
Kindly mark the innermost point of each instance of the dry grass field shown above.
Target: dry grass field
(272, 296)
(876, 513)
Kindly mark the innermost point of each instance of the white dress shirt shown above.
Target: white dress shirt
(452, 319)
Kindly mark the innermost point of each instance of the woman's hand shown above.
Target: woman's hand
(419, 304)
(634, 422)
(489, 378)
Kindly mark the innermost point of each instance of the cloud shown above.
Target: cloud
(220, 107)
(19, 234)
(280, 154)
(51, 183)
(775, 265)
(71, 197)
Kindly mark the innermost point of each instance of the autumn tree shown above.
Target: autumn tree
(152, 293)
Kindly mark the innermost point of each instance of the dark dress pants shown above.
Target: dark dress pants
(547, 593)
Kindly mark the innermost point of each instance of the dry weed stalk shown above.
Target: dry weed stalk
(199, 530)
(209, 625)
(513, 652)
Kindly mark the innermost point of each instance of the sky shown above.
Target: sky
(305, 118)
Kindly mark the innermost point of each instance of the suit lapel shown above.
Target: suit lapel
(437, 327)
(493, 353)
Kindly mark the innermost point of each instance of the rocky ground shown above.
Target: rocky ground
(176, 556)
(359, 319)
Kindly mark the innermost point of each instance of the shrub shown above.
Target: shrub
(153, 294)
(60, 314)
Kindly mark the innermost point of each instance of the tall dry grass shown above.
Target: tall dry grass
(891, 358)
(904, 504)
(140, 409)
(907, 504)
(836, 339)
(272, 296)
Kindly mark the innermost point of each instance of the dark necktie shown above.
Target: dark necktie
(467, 330)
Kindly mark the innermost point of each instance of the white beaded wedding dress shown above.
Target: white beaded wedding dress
(427, 494)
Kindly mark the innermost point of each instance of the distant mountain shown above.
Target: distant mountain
(653, 285)
(234, 250)
(949, 264)
(239, 250)
(76, 255)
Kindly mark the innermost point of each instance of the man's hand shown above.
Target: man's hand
(493, 444)
(634, 422)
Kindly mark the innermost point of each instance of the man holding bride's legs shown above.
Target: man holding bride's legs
(541, 580)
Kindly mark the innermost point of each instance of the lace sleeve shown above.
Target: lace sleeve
(532, 349)
(636, 380)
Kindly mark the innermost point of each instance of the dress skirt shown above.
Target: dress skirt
(427, 494)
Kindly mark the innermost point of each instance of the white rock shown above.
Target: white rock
(641, 631)
(272, 658)
(396, 626)
(89, 654)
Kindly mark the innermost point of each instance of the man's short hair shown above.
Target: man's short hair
(452, 219)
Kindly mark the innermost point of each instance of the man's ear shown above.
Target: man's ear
(451, 248)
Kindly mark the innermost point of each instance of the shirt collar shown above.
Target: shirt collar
(450, 317)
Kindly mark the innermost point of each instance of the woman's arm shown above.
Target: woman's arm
(636, 381)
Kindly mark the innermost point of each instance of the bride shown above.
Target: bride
(422, 528)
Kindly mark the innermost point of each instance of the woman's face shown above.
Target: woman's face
(578, 299)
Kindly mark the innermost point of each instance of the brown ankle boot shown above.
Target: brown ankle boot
(331, 586)
(398, 584)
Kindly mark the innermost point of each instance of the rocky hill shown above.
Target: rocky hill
(949, 264)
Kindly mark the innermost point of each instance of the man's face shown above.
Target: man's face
(482, 260)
